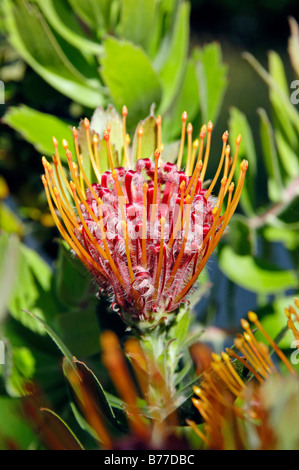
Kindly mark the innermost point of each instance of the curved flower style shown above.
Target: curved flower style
(145, 234)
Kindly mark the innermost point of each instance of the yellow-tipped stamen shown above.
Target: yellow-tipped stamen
(55, 143)
(70, 162)
(106, 136)
(195, 147)
(265, 359)
(220, 368)
(74, 173)
(225, 218)
(189, 147)
(79, 158)
(64, 200)
(126, 162)
(196, 173)
(159, 132)
(254, 319)
(139, 141)
(249, 354)
(210, 249)
(207, 153)
(235, 202)
(60, 227)
(182, 143)
(106, 247)
(227, 161)
(256, 350)
(199, 160)
(95, 142)
(245, 363)
(215, 179)
(232, 370)
(69, 228)
(232, 170)
(91, 237)
(144, 225)
(50, 177)
(193, 425)
(159, 268)
(91, 156)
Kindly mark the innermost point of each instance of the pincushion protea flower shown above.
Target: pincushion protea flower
(145, 234)
(226, 420)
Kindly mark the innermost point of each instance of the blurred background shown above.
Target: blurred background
(59, 59)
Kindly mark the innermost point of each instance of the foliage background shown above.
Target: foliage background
(51, 63)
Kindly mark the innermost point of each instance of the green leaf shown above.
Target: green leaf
(136, 22)
(18, 371)
(255, 274)
(72, 280)
(211, 78)
(172, 60)
(76, 444)
(288, 237)
(238, 124)
(137, 85)
(281, 118)
(56, 338)
(9, 221)
(270, 157)
(92, 388)
(101, 118)
(186, 100)
(293, 46)
(13, 425)
(273, 319)
(62, 19)
(288, 157)
(292, 113)
(39, 128)
(32, 286)
(24, 24)
(149, 139)
(79, 330)
(94, 13)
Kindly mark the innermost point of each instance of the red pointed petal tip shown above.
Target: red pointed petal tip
(210, 126)
(124, 111)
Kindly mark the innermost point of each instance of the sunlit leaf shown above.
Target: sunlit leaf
(39, 128)
(173, 56)
(137, 86)
(136, 22)
(211, 78)
(255, 274)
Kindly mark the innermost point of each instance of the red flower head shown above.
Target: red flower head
(145, 234)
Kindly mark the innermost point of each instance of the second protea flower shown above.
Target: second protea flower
(146, 229)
